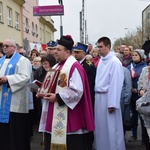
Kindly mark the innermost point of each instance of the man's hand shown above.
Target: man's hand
(50, 97)
(3, 80)
(111, 109)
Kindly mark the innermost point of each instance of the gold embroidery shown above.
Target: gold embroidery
(89, 63)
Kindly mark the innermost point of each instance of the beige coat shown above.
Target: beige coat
(143, 79)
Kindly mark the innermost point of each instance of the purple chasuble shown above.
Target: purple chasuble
(81, 117)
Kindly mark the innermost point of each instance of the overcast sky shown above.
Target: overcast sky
(104, 17)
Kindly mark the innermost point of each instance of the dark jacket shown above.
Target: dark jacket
(138, 69)
(90, 70)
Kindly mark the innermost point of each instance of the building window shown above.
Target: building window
(36, 30)
(33, 32)
(27, 26)
(17, 23)
(27, 23)
(1, 12)
(9, 16)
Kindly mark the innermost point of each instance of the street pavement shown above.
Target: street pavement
(37, 139)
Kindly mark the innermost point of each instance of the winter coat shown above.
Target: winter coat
(143, 107)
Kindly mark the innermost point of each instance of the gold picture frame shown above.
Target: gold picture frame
(49, 83)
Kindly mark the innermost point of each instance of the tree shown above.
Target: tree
(133, 38)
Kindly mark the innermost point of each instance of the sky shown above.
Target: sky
(111, 18)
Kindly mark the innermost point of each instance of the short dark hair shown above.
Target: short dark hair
(105, 40)
(50, 58)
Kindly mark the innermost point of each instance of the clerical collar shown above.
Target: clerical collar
(60, 64)
(9, 56)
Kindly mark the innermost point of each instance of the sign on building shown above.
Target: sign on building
(53, 10)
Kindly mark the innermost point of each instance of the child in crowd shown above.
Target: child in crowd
(95, 55)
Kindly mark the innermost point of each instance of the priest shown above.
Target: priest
(70, 114)
(15, 72)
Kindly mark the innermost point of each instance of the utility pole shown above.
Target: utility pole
(83, 20)
(61, 26)
(82, 23)
(86, 40)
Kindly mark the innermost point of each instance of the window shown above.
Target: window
(1, 12)
(9, 16)
(27, 26)
(33, 32)
(36, 30)
(17, 23)
(32, 26)
(27, 23)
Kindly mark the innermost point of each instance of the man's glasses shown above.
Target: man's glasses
(5, 45)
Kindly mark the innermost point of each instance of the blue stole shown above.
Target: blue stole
(6, 92)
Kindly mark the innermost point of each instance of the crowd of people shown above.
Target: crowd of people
(89, 97)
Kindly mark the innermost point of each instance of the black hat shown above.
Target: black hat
(66, 41)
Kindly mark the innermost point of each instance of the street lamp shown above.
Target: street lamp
(128, 36)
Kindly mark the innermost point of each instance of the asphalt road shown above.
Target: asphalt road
(37, 139)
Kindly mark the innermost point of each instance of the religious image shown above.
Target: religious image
(47, 82)
(62, 82)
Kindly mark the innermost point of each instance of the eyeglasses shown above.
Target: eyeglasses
(5, 45)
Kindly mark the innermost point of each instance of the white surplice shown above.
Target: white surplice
(18, 85)
(108, 84)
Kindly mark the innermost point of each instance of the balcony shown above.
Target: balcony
(48, 23)
(19, 2)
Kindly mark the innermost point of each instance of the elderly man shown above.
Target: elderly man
(15, 71)
(43, 53)
(70, 114)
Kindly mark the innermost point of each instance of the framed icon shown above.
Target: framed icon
(49, 83)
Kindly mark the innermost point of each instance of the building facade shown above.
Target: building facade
(146, 24)
(17, 22)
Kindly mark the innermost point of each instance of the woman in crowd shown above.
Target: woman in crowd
(38, 73)
(34, 53)
(127, 58)
(135, 68)
(48, 62)
(95, 55)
